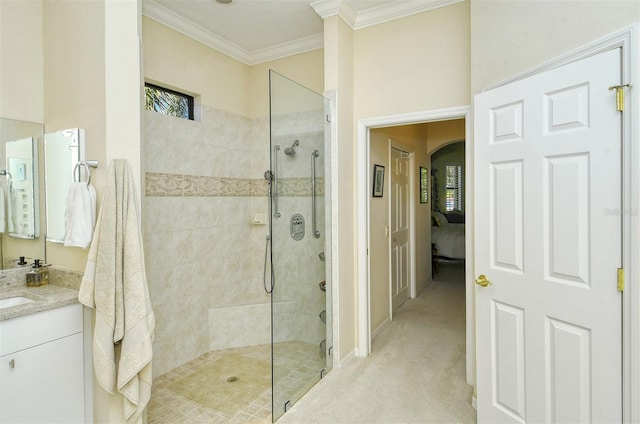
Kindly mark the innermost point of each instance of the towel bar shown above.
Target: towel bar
(86, 164)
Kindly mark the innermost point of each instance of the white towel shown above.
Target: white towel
(80, 215)
(115, 285)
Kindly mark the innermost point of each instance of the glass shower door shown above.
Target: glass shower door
(301, 297)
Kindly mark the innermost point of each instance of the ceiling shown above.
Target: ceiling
(255, 31)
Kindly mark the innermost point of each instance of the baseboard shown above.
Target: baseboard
(380, 328)
(348, 358)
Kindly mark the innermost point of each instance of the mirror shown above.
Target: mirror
(21, 194)
(62, 151)
(20, 197)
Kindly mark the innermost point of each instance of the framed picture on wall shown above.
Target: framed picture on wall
(424, 185)
(378, 180)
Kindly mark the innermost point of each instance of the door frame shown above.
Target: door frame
(362, 153)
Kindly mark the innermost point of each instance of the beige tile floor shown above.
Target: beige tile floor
(234, 385)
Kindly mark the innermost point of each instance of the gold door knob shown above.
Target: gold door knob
(483, 281)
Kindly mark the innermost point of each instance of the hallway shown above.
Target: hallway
(415, 374)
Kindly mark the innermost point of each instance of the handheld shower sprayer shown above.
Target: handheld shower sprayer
(291, 151)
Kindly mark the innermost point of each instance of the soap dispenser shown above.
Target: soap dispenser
(39, 274)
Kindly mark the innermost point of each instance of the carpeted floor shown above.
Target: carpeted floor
(415, 374)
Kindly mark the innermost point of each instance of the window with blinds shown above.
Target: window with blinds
(454, 188)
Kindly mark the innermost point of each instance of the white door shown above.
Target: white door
(548, 237)
(400, 204)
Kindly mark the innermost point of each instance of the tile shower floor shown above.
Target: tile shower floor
(234, 385)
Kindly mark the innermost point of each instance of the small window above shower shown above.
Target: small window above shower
(168, 102)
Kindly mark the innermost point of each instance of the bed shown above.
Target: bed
(448, 237)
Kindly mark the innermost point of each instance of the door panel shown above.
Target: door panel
(509, 374)
(548, 166)
(568, 350)
(506, 216)
(400, 204)
(566, 195)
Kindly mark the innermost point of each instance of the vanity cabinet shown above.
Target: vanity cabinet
(41, 367)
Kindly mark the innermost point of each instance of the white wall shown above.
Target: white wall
(22, 94)
(74, 86)
(339, 79)
(509, 37)
(413, 64)
(169, 60)
(21, 61)
(307, 69)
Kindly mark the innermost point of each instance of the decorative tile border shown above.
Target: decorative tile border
(164, 185)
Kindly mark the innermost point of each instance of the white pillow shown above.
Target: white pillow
(440, 218)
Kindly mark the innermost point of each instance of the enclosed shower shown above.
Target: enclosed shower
(238, 258)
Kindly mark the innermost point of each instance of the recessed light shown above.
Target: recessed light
(224, 1)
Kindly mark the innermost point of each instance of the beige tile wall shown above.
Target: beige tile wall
(203, 186)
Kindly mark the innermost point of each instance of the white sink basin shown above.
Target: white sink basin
(14, 301)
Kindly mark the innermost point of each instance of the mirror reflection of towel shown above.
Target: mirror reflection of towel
(14, 214)
(80, 215)
(3, 214)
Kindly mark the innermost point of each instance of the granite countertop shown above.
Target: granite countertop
(45, 297)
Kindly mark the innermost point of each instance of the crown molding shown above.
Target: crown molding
(279, 51)
(378, 15)
(161, 14)
(399, 9)
(324, 8)
(328, 8)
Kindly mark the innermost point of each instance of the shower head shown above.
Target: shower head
(291, 151)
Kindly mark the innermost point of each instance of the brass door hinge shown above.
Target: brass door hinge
(620, 279)
(619, 95)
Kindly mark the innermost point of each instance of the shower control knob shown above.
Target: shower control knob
(297, 227)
